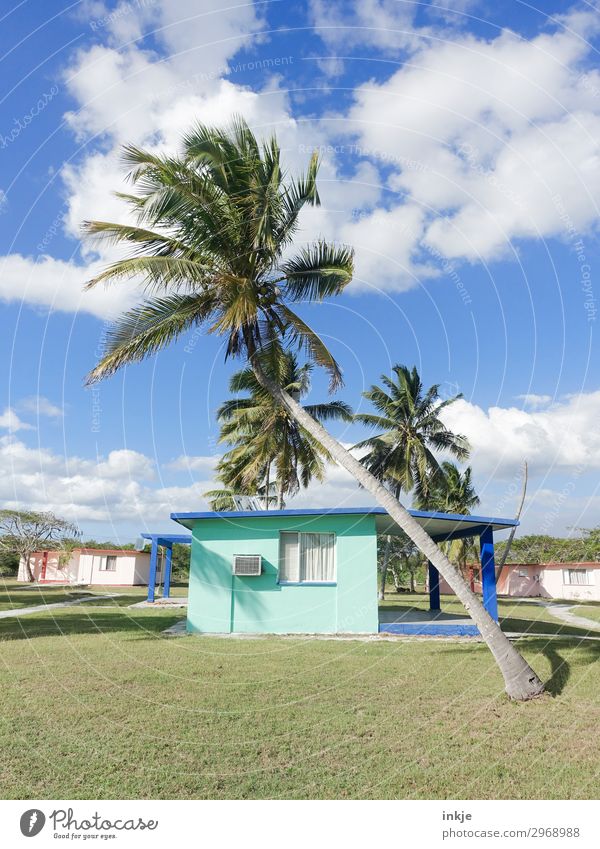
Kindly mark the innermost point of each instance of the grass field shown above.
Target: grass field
(94, 702)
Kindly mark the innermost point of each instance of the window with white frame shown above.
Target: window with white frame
(306, 558)
(578, 577)
(108, 563)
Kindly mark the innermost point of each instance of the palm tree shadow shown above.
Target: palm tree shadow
(561, 670)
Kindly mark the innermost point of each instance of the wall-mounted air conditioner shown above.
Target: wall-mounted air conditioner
(247, 565)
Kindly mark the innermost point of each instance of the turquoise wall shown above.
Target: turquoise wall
(220, 602)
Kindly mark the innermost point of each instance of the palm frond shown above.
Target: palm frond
(313, 344)
(146, 329)
(318, 271)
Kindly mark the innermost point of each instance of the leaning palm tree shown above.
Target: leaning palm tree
(268, 443)
(212, 245)
(402, 454)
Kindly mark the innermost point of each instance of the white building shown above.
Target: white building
(90, 566)
(576, 581)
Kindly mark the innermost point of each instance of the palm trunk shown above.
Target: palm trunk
(384, 566)
(412, 580)
(280, 496)
(520, 680)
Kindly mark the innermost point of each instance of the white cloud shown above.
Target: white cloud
(530, 399)
(116, 489)
(9, 420)
(41, 406)
(385, 24)
(492, 140)
(483, 140)
(564, 437)
(189, 463)
(57, 284)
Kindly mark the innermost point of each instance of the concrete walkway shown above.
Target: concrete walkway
(563, 612)
(40, 608)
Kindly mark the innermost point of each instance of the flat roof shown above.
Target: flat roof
(440, 526)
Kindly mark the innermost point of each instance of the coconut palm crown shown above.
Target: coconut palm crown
(267, 441)
(209, 248)
(410, 432)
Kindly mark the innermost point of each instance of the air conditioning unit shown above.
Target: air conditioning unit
(247, 565)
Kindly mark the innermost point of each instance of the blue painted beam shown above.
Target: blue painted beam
(488, 572)
(463, 533)
(434, 587)
(153, 564)
(167, 576)
(167, 539)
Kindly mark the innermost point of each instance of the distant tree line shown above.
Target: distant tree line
(541, 548)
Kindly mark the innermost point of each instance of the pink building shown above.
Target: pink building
(577, 581)
(90, 566)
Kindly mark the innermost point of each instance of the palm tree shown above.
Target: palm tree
(267, 440)
(402, 454)
(452, 491)
(212, 247)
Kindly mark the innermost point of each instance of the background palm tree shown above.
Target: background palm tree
(410, 431)
(270, 449)
(452, 491)
(212, 248)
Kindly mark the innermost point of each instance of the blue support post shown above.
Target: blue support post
(167, 575)
(153, 563)
(488, 572)
(434, 587)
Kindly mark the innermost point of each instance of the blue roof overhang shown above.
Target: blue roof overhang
(442, 527)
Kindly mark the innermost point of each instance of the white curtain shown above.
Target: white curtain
(289, 561)
(577, 576)
(306, 557)
(316, 557)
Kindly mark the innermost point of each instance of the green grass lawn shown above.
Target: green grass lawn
(95, 702)
(14, 595)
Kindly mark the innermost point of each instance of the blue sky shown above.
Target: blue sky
(460, 159)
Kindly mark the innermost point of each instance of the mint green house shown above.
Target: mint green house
(306, 571)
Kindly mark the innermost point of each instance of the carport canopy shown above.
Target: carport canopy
(166, 541)
(444, 527)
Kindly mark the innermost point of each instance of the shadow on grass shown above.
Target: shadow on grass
(68, 622)
(561, 670)
(556, 650)
(535, 627)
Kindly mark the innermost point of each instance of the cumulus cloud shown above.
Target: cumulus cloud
(56, 284)
(189, 463)
(117, 489)
(530, 399)
(563, 437)
(9, 420)
(482, 141)
(493, 140)
(385, 24)
(41, 406)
